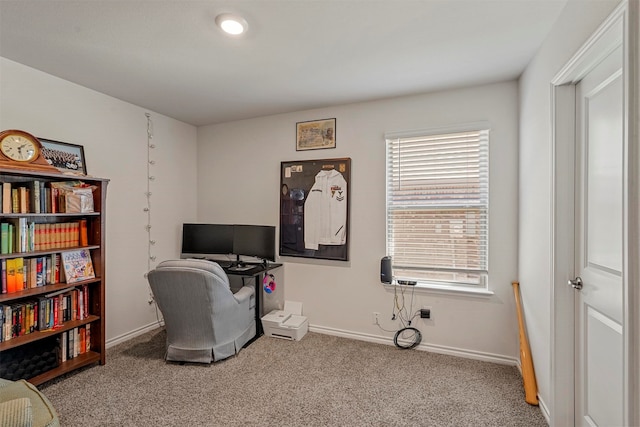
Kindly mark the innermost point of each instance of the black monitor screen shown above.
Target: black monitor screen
(255, 240)
(207, 239)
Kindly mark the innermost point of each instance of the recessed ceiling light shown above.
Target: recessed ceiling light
(231, 24)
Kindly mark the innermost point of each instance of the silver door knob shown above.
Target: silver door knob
(576, 283)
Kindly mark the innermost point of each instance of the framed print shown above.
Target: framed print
(314, 208)
(315, 135)
(64, 156)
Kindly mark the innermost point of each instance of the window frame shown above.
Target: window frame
(482, 288)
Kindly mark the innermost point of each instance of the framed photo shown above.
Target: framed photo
(315, 135)
(64, 156)
(314, 208)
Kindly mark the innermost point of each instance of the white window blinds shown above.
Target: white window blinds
(438, 206)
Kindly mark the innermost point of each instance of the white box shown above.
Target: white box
(281, 324)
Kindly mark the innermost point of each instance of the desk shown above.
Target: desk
(257, 273)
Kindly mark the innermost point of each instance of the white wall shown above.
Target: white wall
(238, 182)
(576, 23)
(114, 136)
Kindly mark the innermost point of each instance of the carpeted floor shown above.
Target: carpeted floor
(319, 381)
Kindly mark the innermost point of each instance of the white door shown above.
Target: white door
(599, 245)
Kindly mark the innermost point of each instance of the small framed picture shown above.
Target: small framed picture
(316, 134)
(64, 156)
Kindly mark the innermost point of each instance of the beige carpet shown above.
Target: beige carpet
(318, 381)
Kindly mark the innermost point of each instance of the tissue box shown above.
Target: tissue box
(281, 324)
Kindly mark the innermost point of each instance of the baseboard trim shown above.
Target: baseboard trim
(132, 334)
(434, 348)
(378, 339)
(544, 409)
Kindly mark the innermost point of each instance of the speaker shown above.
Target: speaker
(386, 272)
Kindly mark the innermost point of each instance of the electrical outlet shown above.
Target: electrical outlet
(375, 317)
(425, 313)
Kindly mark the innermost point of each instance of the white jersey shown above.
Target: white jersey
(325, 211)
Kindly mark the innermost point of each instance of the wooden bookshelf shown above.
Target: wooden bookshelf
(95, 287)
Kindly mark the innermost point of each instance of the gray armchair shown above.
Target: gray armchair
(204, 320)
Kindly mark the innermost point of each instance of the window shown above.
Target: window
(438, 207)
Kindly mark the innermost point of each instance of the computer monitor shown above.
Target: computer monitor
(257, 241)
(202, 240)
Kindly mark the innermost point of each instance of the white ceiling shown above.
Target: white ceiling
(167, 55)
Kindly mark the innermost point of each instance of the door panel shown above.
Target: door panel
(599, 245)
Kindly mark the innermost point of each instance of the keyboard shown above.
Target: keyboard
(241, 267)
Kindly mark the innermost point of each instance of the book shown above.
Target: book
(81, 340)
(35, 196)
(56, 272)
(3, 263)
(6, 197)
(7, 321)
(70, 344)
(77, 265)
(23, 199)
(31, 272)
(21, 234)
(40, 273)
(12, 247)
(53, 198)
(56, 310)
(63, 346)
(84, 237)
(31, 232)
(11, 275)
(20, 276)
(88, 337)
(4, 238)
(15, 204)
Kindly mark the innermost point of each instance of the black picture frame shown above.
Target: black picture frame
(64, 156)
(309, 189)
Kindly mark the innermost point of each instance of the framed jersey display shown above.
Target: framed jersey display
(314, 208)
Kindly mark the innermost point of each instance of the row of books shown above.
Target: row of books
(44, 313)
(75, 342)
(19, 274)
(45, 197)
(25, 273)
(19, 236)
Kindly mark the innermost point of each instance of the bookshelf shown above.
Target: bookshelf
(80, 305)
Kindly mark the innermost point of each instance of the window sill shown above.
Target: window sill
(444, 289)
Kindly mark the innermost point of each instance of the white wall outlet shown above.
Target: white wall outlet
(376, 315)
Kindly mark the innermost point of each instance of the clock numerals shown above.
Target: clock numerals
(18, 148)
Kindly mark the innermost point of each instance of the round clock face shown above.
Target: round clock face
(19, 148)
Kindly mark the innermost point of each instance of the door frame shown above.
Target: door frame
(619, 29)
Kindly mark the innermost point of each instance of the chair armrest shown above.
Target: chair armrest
(246, 293)
(16, 413)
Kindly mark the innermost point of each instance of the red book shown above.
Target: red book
(83, 343)
(55, 312)
(86, 301)
(54, 200)
(84, 238)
